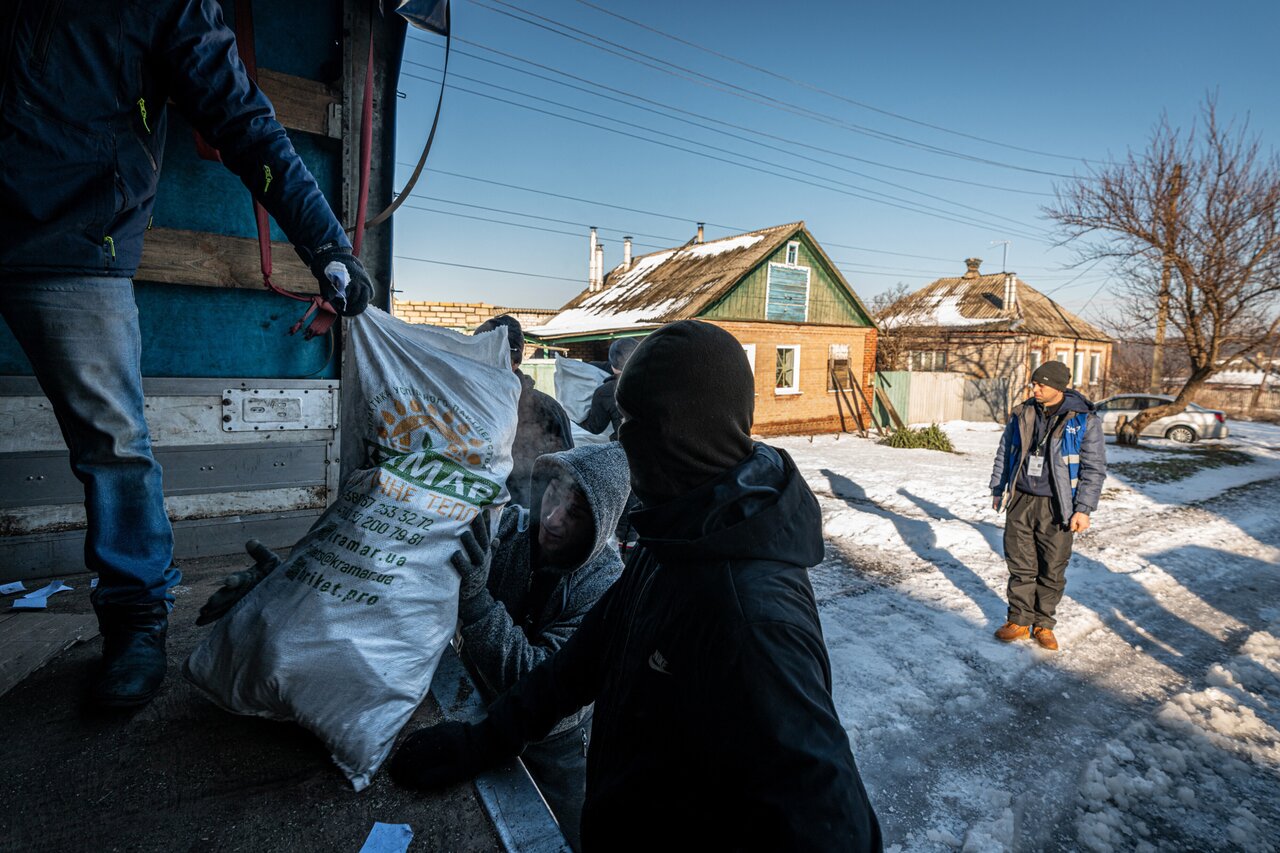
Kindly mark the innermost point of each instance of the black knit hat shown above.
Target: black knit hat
(1052, 373)
(515, 334)
(688, 397)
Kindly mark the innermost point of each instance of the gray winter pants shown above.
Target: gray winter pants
(1037, 547)
(559, 767)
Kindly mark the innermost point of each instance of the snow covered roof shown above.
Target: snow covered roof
(668, 285)
(976, 302)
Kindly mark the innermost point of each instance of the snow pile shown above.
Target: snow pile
(719, 247)
(1194, 765)
(967, 743)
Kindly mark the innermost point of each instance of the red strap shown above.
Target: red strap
(324, 313)
(366, 150)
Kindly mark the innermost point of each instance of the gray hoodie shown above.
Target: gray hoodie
(502, 639)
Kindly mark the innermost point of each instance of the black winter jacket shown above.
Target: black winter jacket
(82, 130)
(714, 724)
(604, 412)
(543, 428)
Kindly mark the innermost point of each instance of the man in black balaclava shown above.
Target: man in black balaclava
(714, 724)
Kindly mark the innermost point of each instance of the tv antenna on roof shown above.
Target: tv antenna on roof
(1004, 257)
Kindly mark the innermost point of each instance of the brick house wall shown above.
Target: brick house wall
(813, 410)
(465, 316)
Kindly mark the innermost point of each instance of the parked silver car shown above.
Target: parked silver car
(1194, 423)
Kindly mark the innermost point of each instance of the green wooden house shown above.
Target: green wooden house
(774, 289)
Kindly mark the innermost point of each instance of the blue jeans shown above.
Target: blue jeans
(81, 335)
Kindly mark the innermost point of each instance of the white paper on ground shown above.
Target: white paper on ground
(388, 838)
(40, 598)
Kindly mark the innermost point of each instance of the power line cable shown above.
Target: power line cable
(672, 107)
(671, 216)
(827, 92)
(724, 133)
(830, 185)
(736, 90)
(622, 231)
(486, 269)
(575, 234)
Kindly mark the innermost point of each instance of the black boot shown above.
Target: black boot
(133, 658)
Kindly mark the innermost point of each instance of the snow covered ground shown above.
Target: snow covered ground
(1156, 727)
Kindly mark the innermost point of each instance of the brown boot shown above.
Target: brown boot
(1011, 631)
(1044, 636)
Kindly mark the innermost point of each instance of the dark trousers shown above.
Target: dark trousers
(559, 767)
(1037, 547)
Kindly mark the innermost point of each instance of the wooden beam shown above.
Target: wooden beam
(30, 640)
(171, 256)
(301, 104)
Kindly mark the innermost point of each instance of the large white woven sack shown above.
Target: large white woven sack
(576, 381)
(345, 636)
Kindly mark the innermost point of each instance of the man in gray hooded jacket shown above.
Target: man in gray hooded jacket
(525, 596)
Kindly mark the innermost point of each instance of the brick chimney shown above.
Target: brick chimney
(626, 253)
(971, 267)
(698, 239)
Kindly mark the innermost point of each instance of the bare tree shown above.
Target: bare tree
(1192, 226)
(889, 342)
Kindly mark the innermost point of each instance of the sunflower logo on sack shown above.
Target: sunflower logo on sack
(408, 427)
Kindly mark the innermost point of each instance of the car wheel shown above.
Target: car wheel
(1181, 434)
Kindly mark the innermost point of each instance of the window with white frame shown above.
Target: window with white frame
(750, 350)
(1062, 355)
(928, 361)
(1077, 369)
(1095, 367)
(786, 375)
(1037, 357)
(793, 253)
(787, 294)
(838, 365)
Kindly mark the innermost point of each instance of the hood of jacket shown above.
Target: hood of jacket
(761, 509)
(601, 471)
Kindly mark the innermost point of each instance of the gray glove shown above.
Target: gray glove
(237, 586)
(472, 562)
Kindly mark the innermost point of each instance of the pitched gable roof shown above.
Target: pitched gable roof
(976, 303)
(668, 285)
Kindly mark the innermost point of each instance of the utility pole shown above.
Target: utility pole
(1162, 305)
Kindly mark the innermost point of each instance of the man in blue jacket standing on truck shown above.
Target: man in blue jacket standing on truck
(1048, 475)
(82, 129)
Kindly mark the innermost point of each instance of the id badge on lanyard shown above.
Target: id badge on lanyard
(1035, 466)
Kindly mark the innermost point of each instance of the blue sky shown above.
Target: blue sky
(1042, 87)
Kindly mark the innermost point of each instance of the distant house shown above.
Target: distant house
(995, 329)
(775, 290)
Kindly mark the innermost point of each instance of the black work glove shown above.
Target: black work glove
(335, 262)
(444, 755)
(237, 586)
(472, 562)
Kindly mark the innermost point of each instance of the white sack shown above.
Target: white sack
(345, 635)
(576, 381)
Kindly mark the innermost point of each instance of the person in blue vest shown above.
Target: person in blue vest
(83, 99)
(1048, 475)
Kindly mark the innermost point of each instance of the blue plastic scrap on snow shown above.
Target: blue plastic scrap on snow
(388, 838)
